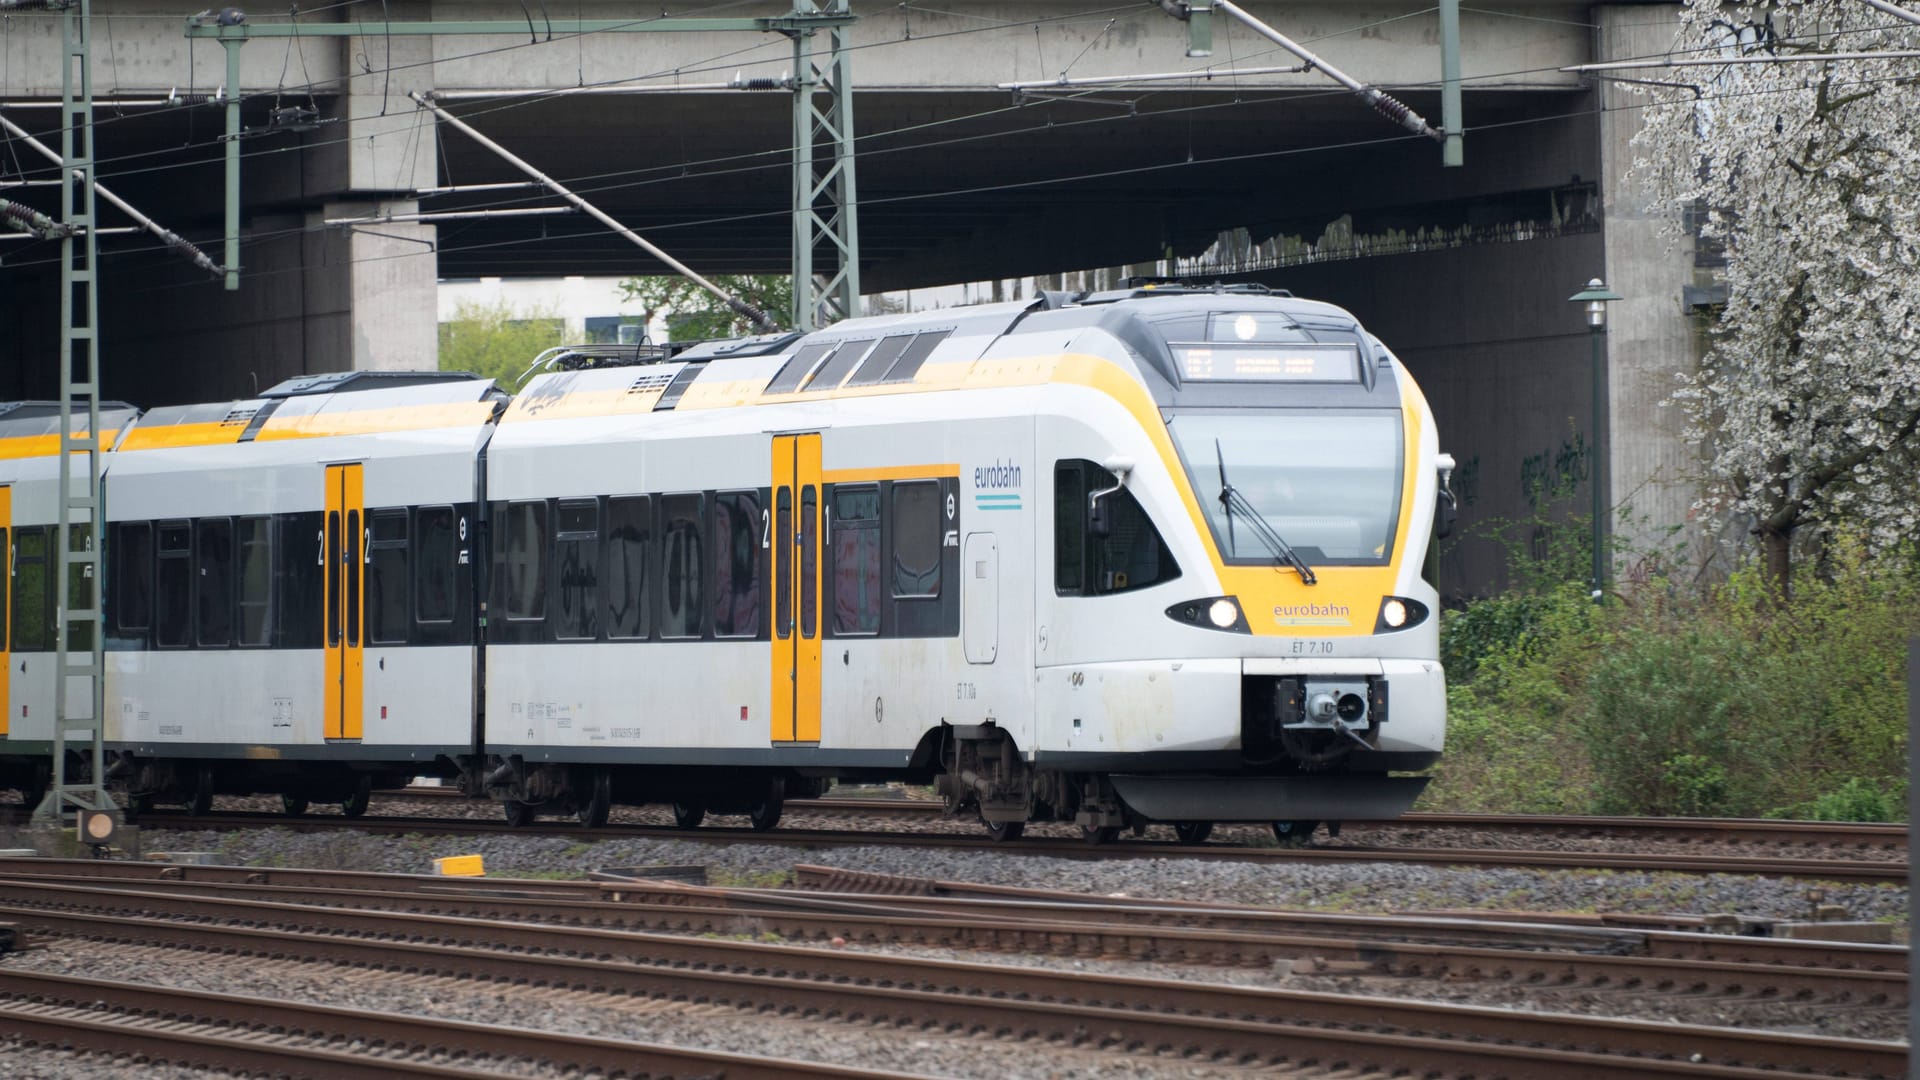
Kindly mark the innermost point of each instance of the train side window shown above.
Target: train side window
(526, 560)
(576, 549)
(387, 577)
(880, 361)
(256, 580)
(1131, 556)
(916, 539)
(435, 553)
(856, 559)
(835, 369)
(681, 548)
(31, 594)
(910, 362)
(132, 559)
(629, 532)
(213, 582)
(1069, 528)
(172, 585)
(795, 371)
(6, 610)
(736, 564)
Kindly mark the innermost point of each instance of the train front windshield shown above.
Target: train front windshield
(1328, 482)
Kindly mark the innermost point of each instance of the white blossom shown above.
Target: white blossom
(1808, 396)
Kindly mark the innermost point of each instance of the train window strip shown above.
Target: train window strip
(795, 371)
(525, 564)
(6, 591)
(32, 613)
(435, 556)
(842, 361)
(910, 362)
(682, 548)
(916, 540)
(256, 581)
(387, 578)
(213, 582)
(132, 574)
(855, 542)
(1131, 556)
(576, 596)
(737, 530)
(880, 361)
(677, 389)
(629, 566)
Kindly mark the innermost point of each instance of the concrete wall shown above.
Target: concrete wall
(1655, 470)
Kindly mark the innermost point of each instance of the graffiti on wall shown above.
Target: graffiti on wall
(1555, 472)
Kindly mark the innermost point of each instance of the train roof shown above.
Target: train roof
(989, 345)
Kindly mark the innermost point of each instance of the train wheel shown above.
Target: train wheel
(1192, 832)
(765, 813)
(1294, 833)
(688, 815)
(358, 798)
(1100, 834)
(519, 814)
(1004, 831)
(293, 805)
(599, 801)
(201, 801)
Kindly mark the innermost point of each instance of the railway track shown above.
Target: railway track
(250, 1034)
(1766, 865)
(1183, 1020)
(832, 905)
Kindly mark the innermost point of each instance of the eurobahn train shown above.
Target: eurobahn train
(1149, 555)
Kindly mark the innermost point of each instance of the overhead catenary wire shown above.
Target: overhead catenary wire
(171, 239)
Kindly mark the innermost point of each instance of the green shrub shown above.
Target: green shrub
(1855, 800)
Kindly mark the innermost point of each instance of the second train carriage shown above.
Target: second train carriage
(1151, 555)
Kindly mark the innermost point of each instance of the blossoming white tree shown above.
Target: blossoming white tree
(1808, 171)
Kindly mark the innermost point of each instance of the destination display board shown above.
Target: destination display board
(1291, 362)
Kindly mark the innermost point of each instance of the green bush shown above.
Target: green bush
(1686, 699)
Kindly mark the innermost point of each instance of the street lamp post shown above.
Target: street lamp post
(1596, 296)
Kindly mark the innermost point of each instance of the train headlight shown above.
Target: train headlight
(1223, 612)
(1399, 613)
(1211, 613)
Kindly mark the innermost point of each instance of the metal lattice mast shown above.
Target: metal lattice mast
(825, 209)
(78, 664)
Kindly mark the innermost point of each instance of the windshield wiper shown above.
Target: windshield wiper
(1231, 500)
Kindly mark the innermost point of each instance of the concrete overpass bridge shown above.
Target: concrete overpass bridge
(1282, 178)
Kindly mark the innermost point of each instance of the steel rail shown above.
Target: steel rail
(135, 1009)
(1108, 1012)
(1760, 866)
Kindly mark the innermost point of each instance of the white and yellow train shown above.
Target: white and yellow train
(1157, 555)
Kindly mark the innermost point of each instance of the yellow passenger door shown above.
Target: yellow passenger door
(343, 556)
(795, 553)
